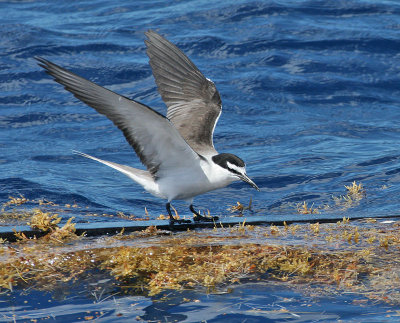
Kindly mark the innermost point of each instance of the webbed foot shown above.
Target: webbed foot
(172, 220)
(201, 218)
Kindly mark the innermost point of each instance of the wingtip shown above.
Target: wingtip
(44, 63)
(153, 36)
(40, 61)
(76, 152)
(150, 32)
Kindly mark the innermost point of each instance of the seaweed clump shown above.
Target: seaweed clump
(357, 257)
(354, 194)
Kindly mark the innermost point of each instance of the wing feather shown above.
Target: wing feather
(152, 136)
(194, 103)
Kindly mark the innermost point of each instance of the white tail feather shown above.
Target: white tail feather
(140, 176)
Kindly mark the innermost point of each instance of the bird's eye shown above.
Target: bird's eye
(234, 171)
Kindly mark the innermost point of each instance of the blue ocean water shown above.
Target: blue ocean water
(309, 89)
(311, 101)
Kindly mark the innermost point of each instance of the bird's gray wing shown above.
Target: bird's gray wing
(155, 140)
(194, 103)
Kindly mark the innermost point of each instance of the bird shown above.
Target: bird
(177, 149)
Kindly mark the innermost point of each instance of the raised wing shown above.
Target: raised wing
(193, 102)
(152, 136)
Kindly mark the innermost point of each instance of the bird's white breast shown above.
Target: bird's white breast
(201, 177)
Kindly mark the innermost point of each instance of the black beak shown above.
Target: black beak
(246, 179)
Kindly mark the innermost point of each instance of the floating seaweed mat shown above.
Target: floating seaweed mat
(46, 216)
(360, 256)
(114, 227)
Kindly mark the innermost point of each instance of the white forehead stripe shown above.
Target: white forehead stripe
(241, 170)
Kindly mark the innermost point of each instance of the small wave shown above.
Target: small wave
(378, 161)
(36, 119)
(15, 186)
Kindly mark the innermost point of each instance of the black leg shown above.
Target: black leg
(198, 217)
(171, 218)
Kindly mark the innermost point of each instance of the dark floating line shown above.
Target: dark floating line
(98, 229)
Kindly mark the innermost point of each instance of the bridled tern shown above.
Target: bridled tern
(178, 149)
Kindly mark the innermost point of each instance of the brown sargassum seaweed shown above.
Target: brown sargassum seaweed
(360, 257)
